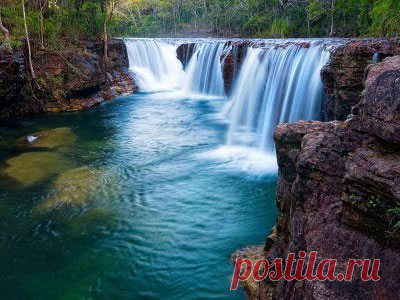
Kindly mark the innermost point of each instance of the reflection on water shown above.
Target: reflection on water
(128, 200)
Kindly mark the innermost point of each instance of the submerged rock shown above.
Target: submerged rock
(33, 167)
(49, 139)
(73, 187)
(54, 138)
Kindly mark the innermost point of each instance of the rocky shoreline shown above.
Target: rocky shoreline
(75, 78)
(338, 184)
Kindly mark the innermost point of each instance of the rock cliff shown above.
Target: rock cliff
(338, 185)
(343, 77)
(72, 79)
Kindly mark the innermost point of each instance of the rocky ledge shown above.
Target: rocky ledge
(72, 79)
(343, 77)
(338, 186)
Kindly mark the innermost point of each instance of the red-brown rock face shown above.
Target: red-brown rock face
(343, 77)
(231, 61)
(338, 182)
(13, 88)
(67, 80)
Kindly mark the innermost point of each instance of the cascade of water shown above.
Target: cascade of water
(203, 73)
(154, 64)
(277, 85)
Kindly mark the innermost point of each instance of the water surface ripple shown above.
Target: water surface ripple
(150, 218)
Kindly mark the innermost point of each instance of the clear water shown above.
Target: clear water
(160, 219)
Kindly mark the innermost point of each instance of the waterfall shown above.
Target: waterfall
(276, 85)
(203, 73)
(156, 67)
(154, 64)
(278, 81)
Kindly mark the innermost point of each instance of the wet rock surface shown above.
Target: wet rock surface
(337, 188)
(68, 80)
(184, 53)
(231, 61)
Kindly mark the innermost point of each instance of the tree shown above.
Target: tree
(333, 2)
(5, 31)
(42, 5)
(52, 22)
(27, 41)
(385, 16)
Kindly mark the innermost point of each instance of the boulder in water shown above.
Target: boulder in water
(57, 138)
(74, 187)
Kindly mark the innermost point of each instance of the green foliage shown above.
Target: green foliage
(15, 44)
(374, 201)
(256, 24)
(385, 16)
(71, 20)
(280, 28)
(396, 213)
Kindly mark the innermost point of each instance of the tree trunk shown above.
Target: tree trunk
(105, 57)
(308, 24)
(195, 20)
(332, 16)
(4, 30)
(28, 42)
(205, 12)
(41, 25)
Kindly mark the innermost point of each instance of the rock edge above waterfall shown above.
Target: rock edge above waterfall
(337, 183)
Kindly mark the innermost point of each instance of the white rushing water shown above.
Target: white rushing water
(154, 64)
(157, 68)
(275, 84)
(204, 74)
(278, 85)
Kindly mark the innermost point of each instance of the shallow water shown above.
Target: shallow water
(138, 202)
